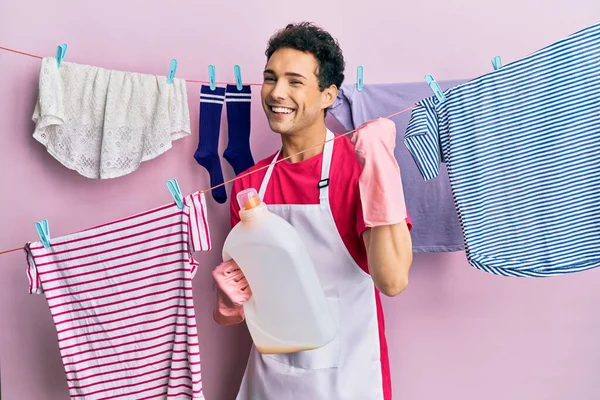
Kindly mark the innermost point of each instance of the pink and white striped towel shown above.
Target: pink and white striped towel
(121, 299)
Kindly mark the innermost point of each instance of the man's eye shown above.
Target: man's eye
(296, 82)
(269, 79)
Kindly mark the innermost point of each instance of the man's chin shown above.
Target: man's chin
(279, 128)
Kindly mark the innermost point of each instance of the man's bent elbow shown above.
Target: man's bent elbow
(394, 288)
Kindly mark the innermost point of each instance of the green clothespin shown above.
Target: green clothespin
(43, 230)
(172, 71)
(359, 78)
(212, 77)
(60, 53)
(175, 192)
(497, 63)
(435, 87)
(238, 77)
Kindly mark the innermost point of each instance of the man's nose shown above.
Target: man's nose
(279, 91)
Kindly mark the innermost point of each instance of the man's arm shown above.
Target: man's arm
(387, 239)
(224, 312)
(389, 253)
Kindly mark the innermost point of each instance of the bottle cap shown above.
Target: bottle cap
(248, 199)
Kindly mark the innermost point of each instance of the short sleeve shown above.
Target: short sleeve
(341, 108)
(33, 278)
(361, 226)
(422, 138)
(234, 207)
(199, 232)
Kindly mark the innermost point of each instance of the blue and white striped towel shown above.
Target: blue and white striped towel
(522, 147)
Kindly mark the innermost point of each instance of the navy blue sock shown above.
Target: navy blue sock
(211, 106)
(238, 152)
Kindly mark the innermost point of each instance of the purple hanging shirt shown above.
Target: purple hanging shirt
(429, 203)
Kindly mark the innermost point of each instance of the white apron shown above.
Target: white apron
(349, 367)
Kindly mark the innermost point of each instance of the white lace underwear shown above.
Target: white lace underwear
(104, 123)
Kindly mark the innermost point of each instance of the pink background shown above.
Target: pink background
(456, 333)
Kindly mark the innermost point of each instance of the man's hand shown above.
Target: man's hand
(232, 292)
(380, 183)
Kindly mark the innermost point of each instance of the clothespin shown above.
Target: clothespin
(359, 78)
(212, 77)
(60, 53)
(175, 192)
(238, 76)
(43, 231)
(437, 90)
(172, 70)
(497, 63)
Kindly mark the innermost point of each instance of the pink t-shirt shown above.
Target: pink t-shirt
(121, 299)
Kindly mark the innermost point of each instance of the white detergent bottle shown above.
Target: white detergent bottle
(288, 311)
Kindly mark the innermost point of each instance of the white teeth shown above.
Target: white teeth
(282, 110)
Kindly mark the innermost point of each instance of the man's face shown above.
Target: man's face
(290, 93)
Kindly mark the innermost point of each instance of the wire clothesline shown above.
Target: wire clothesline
(187, 80)
(239, 176)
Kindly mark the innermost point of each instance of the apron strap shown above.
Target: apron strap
(325, 168)
(267, 178)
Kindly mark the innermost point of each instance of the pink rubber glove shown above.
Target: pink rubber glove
(232, 292)
(380, 183)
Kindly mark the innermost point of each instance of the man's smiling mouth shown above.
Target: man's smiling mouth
(281, 110)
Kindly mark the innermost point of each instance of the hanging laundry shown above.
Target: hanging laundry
(522, 146)
(104, 123)
(120, 295)
(238, 153)
(207, 153)
(435, 223)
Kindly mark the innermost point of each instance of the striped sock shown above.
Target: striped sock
(238, 152)
(211, 106)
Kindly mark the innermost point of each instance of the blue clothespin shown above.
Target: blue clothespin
(238, 76)
(60, 53)
(212, 77)
(437, 90)
(175, 192)
(359, 78)
(43, 231)
(172, 70)
(497, 62)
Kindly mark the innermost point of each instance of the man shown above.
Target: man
(345, 199)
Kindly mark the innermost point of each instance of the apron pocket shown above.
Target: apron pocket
(321, 358)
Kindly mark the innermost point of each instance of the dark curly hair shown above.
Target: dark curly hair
(307, 37)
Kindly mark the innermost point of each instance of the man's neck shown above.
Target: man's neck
(308, 142)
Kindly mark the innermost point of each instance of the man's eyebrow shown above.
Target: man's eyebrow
(270, 71)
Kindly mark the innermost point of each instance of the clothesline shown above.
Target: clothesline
(187, 80)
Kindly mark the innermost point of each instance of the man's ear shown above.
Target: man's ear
(328, 96)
